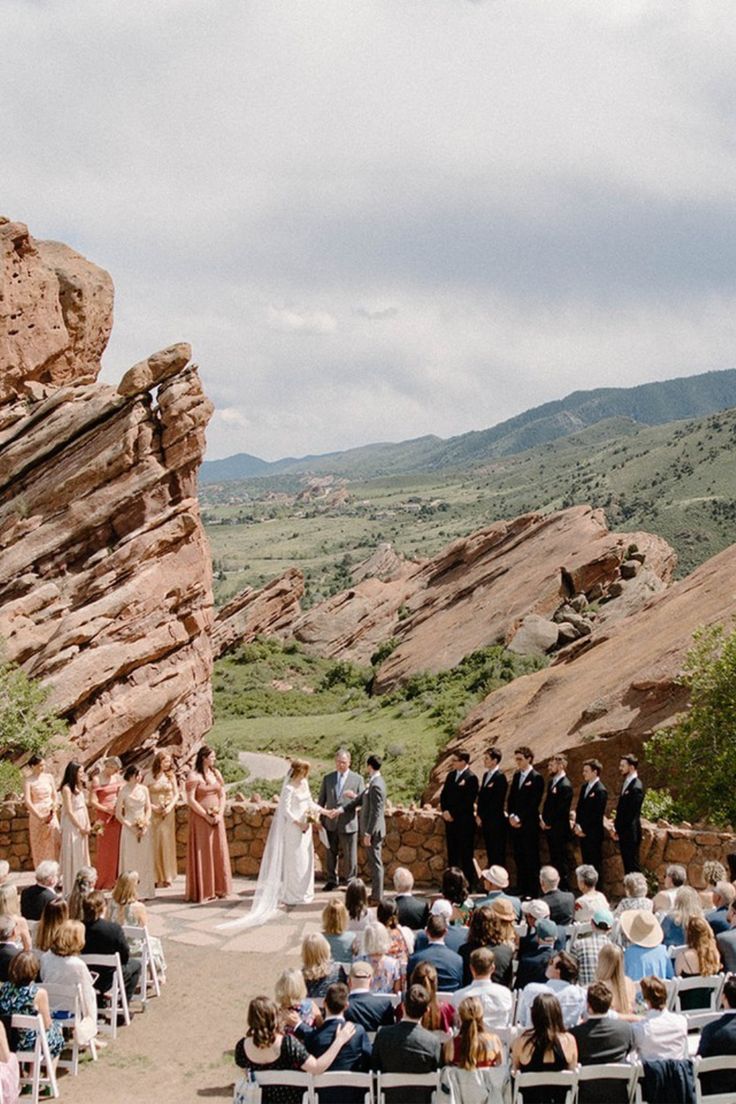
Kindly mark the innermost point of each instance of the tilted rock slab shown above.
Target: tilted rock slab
(105, 573)
(269, 611)
(606, 693)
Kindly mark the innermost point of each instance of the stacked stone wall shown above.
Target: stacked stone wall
(415, 839)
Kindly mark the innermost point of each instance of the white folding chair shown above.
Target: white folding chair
(623, 1072)
(565, 1079)
(696, 1021)
(32, 926)
(114, 1001)
(68, 999)
(387, 1082)
(292, 1078)
(674, 951)
(719, 1064)
(712, 985)
(345, 1080)
(149, 972)
(38, 1058)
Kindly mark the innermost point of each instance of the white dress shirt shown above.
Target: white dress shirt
(496, 1000)
(661, 1034)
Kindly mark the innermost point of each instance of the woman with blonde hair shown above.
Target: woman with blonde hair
(611, 970)
(335, 930)
(700, 959)
(125, 909)
(674, 925)
(291, 997)
(164, 793)
(318, 968)
(54, 914)
(474, 1046)
(376, 945)
(10, 906)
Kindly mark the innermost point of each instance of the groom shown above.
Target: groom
(372, 803)
(342, 828)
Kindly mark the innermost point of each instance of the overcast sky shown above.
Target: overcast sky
(376, 219)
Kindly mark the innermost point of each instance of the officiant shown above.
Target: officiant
(342, 830)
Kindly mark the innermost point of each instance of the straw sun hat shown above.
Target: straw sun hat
(642, 928)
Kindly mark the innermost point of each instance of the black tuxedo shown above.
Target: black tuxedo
(412, 911)
(354, 1056)
(33, 900)
(370, 1010)
(556, 814)
(589, 815)
(628, 824)
(524, 801)
(492, 813)
(600, 1040)
(458, 799)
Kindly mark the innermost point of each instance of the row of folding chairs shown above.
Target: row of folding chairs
(571, 1083)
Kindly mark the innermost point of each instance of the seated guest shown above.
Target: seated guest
(448, 964)
(355, 1055)
(610, 969)
(401, 938)
(492, 926)
(264, 1047)
(533, 963)
(561, 904)
(719, 1038)
(61, 965)
(713, 873)
(9, 945)
(9, 1071)
(295, 1007)
(660, 1034)
(407, 1047)
(562, 978)
(475, 1047)
(20, 994)
(700, 959)
(727, 942)
(590, 899)
(10, 906)
(413, 911)
(602, 1038)
(546, 1047)
(319, 969)
(370, 1010)
(356, 902)
(496, 1000)
(635, 888)
(531, 912)
(644, 954)
(724, 896)
(457, 934)
(104, 937)
(587, 946)
(674, 924)
(731, 863)
(440, 1014)
(495, 883)
(455, 889)
(125, 908)
(84, 882)
(335, 930)
(674, 877)
(376, 944)
(52, 917)
(34, 897)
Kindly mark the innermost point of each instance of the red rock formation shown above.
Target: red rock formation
(105, 578)
(270, 611)
(608, 692)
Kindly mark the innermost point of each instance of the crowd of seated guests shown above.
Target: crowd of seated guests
(417, 985)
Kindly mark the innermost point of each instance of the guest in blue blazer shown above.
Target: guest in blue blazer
(355, 1055)
(447, 963)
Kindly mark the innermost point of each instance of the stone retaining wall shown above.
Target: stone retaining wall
(415, 839)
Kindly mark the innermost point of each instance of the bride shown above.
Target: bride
(286, 874)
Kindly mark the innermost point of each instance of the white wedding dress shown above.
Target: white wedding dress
(286, 874)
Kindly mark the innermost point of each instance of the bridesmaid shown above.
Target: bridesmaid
(133, 810)
(75, 824)
(104, 798)
(208, 860)
(164, 793)
(42, 800)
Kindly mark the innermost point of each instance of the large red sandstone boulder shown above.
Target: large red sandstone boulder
(270, 611)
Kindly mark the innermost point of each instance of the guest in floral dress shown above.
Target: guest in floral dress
(386, 970)
(21, 995)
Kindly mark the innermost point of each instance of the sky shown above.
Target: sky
(378, 219)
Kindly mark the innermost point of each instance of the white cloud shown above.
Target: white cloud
(306, 322)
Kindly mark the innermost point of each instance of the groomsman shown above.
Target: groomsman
(491, 810)
(457, 802)
(555, 819)
(342, 830)
(525, 797)
(372, 803)
(589, 814)
(627, 824)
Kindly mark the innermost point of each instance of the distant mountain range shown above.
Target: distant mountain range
(648, 404)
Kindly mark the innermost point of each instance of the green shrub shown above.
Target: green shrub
(383, 651)
(27, 725)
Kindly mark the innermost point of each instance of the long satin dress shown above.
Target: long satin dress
(208, 859)
(108, 842)
(137, 854)
(74, 846)
(162, 791)
(45, 836)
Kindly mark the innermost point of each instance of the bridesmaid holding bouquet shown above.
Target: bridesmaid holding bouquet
(208, 859)
(133, 810)
(75, 826)
(42, 800)
(164, 793)
(105, 790)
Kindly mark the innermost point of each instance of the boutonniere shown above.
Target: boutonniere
(554, 789)
(461, 783)
(528, 783)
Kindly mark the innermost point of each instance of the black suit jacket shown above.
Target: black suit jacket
(561, 906)
(406, 1048)
(412, 911)
(355, 1057)
(591, 810)
(33, 900)
(524, 801)
(718, 1038)
(533, 966)
(370, 1010)
(628, 813)
(556, 808)
(492, 798)
(8, 951)
(458, 796)
(105, 937)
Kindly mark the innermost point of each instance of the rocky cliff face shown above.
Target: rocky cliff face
(270, 611)
(105, 578)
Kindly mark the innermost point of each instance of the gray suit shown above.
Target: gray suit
(372, 804)
(727, 946)
(342, 831)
